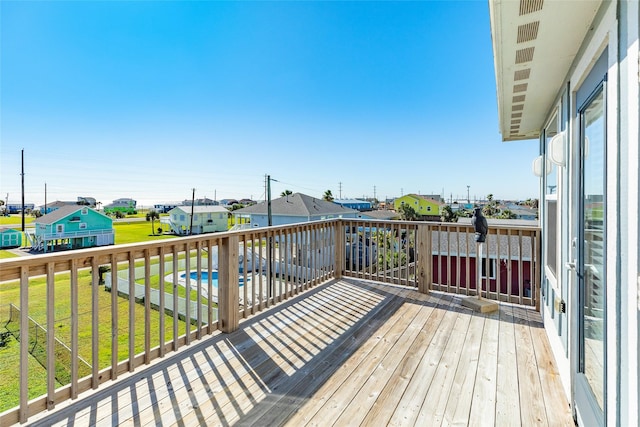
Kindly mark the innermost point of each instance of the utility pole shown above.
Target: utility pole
(468, 199)
(22, 189)
(340, 189)
(45, 198)
(269, 218)
(374, 192)
(193, 201)
(270, 239)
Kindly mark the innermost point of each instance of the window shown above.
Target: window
(428, 208)
(492, 268)
(551, 237)
(195, 217)
(83, 226)
(59, 228)
(85, 211)
(181, 217)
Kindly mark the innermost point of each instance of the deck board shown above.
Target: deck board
(348, 352)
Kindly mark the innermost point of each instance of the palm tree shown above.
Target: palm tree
(407, 213)
(152, 215)
(328, 196)
(448, 215)
(286, 193)
(491, 209)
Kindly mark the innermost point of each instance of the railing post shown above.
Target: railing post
(228, 289)
(425, 258)
(339, 249)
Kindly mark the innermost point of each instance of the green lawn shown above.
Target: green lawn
(137, 231)
(16, 219)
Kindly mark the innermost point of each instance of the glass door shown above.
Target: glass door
(590, 380)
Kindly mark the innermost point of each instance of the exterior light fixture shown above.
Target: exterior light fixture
(556, 149)
(538, 164)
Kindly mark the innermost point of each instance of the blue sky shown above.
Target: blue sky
(150, 99)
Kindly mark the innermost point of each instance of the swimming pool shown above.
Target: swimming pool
(205, 277)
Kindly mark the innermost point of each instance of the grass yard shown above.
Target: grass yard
(16, 219)
(7, 254)
(137, 231)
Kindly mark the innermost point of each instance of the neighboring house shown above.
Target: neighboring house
(524, 213)
(567, 77)
(50, 207)
(379, 215)
(14, 208)
(71, 227)
(200, 202)
(359, 205)
(292, 209)
(165, 207)
(10, 238)
(87, 201)
(127, 206)
(206, 219)
(228, 202)
(424, 206)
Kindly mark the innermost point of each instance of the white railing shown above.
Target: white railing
(148, 316)
(72, 234)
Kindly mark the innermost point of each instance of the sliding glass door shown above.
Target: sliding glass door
(590, 381)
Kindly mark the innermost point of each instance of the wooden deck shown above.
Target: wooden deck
(346, 353)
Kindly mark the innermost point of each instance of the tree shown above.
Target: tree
(407, 213)
(327, 196)
(491, 209)
(448, 215)
(286, 193)
(36, 213)
(152, 215)
(506, 214)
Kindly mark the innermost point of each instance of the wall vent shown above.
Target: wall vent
(528, 32)
(518, 98)
(519, 107)
(515, 121)
(524, 55)
(516, 114)
(522, 87)
(522, 74)
(530, 6)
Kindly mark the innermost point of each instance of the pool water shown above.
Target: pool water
(205, 277)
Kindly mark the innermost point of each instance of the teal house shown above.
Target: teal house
(71, 227)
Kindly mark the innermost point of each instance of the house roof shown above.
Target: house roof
(534, 46)
(380, 214)
(202, 209)
(297, 204)
(62, 212)
(351, 201)
(59, 203)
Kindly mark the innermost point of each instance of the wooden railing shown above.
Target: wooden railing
(442, 256)
(163, 295)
